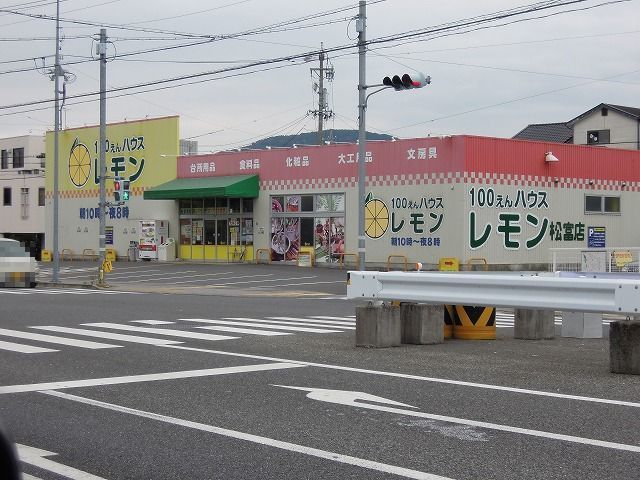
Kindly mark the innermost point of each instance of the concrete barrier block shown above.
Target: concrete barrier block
(581, 325)
(534, 324)
(378, 326)
(422, 324)
(624, 347)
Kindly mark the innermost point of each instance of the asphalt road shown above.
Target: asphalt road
(303, 405)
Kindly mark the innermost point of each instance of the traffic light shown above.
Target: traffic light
(125, 190)
(407, 81)
(117, 190)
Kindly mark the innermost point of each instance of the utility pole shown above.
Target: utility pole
(322, 112)
(102, 51)
(321, 96)
(361, 27)
(57, 72)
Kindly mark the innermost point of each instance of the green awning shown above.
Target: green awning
(245, 186)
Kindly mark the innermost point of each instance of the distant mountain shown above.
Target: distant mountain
(311, 138)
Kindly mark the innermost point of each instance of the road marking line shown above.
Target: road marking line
(18, 347)
(150, 377)
(35, 457)
(265, 281)
(60, 340)
(161, 331)
(296, 284)
(251, 322)
(138, 275)
(361, 399)
(270, 442)
(327, 317)
(109, 335)
(153, 322)
(266, 333)
(181, 276)
(289, 322)
(416, 377)
(333, 323)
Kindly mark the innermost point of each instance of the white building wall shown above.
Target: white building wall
(623, 129)
(77, 234)
(19, 218)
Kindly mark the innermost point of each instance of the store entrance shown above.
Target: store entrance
(208, 231)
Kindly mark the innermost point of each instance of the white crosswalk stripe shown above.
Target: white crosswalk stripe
(257, 323)
(326, 317)
(160, 331)
(157, 336)
(109, 335)
(59, 340)
(18, 347)
(313, 321)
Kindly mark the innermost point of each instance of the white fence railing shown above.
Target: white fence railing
(544, 292)
(612, 259)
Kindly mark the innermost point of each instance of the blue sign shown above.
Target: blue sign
(108, 235)
(596, 237)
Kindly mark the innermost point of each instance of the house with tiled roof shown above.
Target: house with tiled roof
(550, 132)
(606, 125)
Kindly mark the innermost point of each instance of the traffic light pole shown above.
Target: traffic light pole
(361, 26)
(102, 51)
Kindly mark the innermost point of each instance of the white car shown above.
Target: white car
(17, 267)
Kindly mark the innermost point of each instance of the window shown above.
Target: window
(41, 197)
(602, 204)
(6, 196)
(311, 221)
(611, 204)
(18, 158)
(598, 137)
(24, 203)
(5, 159)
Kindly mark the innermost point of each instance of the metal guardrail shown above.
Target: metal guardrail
(543, 292)
(68, 252)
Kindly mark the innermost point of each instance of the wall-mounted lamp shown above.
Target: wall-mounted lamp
(550, 157)
(590, 182)
(556, 180)
(624, 184)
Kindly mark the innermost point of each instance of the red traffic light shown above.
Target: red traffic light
(117, 185)
(407, 81)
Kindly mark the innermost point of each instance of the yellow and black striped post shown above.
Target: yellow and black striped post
(474, 323)
(450, 316)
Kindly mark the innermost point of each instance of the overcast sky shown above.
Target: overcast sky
(491, 81)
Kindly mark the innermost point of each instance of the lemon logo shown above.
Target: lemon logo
(79, 164)
(376, 217)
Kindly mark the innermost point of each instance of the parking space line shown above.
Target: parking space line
(270, 442)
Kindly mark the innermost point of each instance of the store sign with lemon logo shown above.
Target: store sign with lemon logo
(144, 152)
(79, 164)
(376, 217)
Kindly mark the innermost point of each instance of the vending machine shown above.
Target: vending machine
(152, 234)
